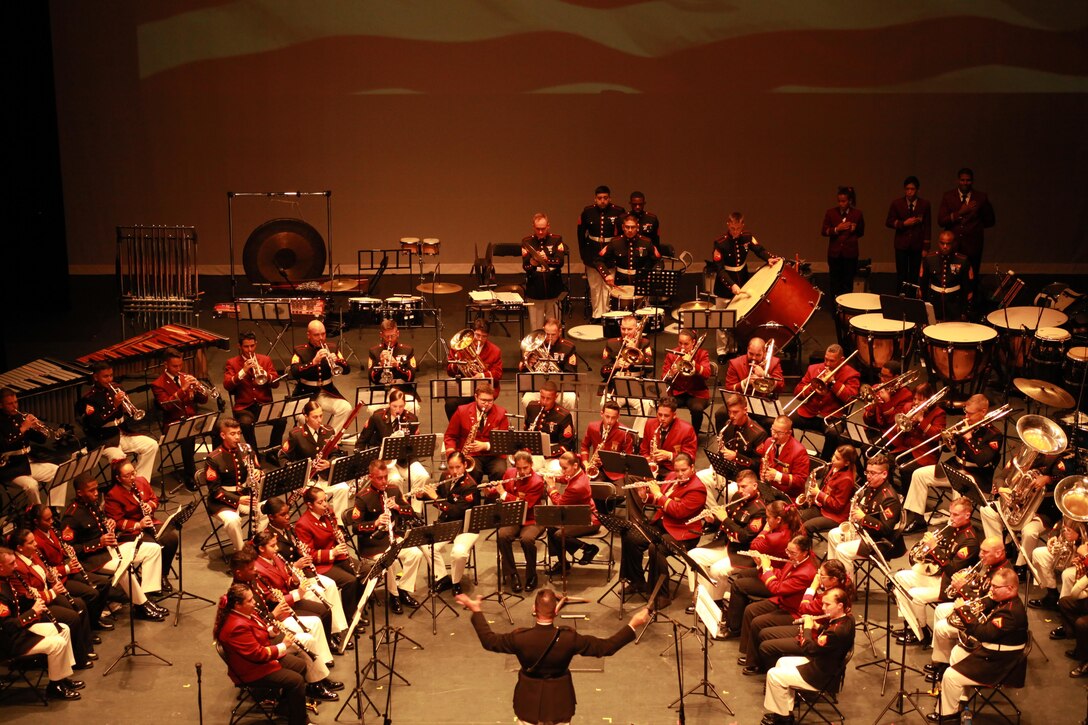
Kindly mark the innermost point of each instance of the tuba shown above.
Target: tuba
(535, 354)
(1041, 437)
(468, 360)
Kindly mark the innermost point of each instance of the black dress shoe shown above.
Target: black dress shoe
(530, 582)
(1072, 654)
(742, 660)
(319, 692)
(394, 606)
(909, 637)
(935, 667)
(457, 588)
(166, 590)
(146, 613)
(92, 656)
(1079, 671)
(332, 685)
(95, 639)
(589, 553)
(515, 584)
(1048, 602)
(59, 691)
(73, 684)
(1058, 633)
(105, 625)
(689, 609)
(752, 670)
(557, 568)
(630, 589)
(83, 665)
(408, 600)
(443, 584)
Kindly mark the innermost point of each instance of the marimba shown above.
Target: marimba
(47, 388)
(137, 354)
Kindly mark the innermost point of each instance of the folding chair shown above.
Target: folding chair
(806, 701)
(987, 695)
(213, 520)
(14, 670)
(252, 699)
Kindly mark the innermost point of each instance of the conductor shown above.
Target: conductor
(545, 691)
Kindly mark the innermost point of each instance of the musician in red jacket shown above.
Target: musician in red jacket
(688, 379)
(605, 434)
(967, 213)
(132, 503)
(924, 425)
(666, 437)
(316, 529)
(250, 377)
(745, 369)
(178, 396)
(678, 500)
(489, 355)
(825, 389)
(520, 483)
(272, 571)
(784, 461)
(843, 225)
(469, 431)
(827, 502)
(251, 657)
(91, 587)
(577, 493)
(784, 585)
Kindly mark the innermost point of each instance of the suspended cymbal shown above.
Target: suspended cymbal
(1043, 392)
(696, 305)
(341, 284)
(282, 248)
(439, 288)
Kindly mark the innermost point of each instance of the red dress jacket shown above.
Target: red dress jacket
(680, 438)
(882, 415)
(915, 237)
(490, 355)
(773, 542)
(932, 423)
(122, 506)
(530, 490)
(792, 461)
(678, 502)
(618, 440)
(33, 573)
(249, 651)
(320, 536)
(843, 387)
(835, 493)
(461, 424)
(969, 226)
(246, 392)
(577, 493)
(274, 575)
(789, 583)
(842, 244)
(694, 384)
(53, 553)
(174, 402)
(738, 372)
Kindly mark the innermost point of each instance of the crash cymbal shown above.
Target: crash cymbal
(342, 284)
(696, 305)
(439, 288)
(1043, 392)
(284, 250)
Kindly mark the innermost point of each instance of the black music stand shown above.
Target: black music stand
(284, 482)
(134, 648)
(656, 540)
(724, 467)
(641, 389)
(496, 516)
(277, 409)
(430, 536)
(177, 520)
(658, 284)
(354, 632)
(71, 468)
(857, 432)
(460, 389)
(761, 407)
(508, 442)
(709, 614)
(903, 598)
(567, 382)
(177, 433)
(276, 314)
(560, 517)
(407, 447)
(629, 464)
(617, 526)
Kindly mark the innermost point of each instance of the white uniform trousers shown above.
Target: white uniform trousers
(923, 479)
(953, 683)
(540, 310)
(232, 524)
(145, 448)
(338, 621)
(841, 550)
(922, 588)
(148, 560)
(716, 485)
(782, 680)
(336, 410)
(945, 635)
(715, 559)
(598, 291)
(408, 564)
(57, 648)
(462, 547)
(316, 642)
(1044, 566)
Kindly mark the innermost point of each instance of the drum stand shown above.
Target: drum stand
(439, 339)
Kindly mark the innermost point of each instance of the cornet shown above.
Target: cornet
(126, 405)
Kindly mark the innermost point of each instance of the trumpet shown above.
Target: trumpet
(53, 433)
(683, 365)
(334, 367)
(469, 362)
(948, 435)
(120, 397)
(819, 384)
(260, 375)
(208, 390)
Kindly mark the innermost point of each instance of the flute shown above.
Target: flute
(758, 554)
(639, 484)
(815, 618)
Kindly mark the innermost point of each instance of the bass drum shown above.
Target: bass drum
(959, 352)
(848, 306)
(778, 304)
(879, 339)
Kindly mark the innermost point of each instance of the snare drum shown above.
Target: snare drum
(612, 322)
(879, 339)
(622, 297)
(959, 352)
(1015, 324)
(1048, 353)
(429, 246)
(850, 305)
(779, 302)
(365, 310)
(1073, 369)
(410, 244)
(652, 317)
(405, 309)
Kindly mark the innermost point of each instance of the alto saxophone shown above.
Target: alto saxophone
(477, 423)
(655, 446)
(593, 468)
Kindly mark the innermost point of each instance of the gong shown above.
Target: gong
(284, 247)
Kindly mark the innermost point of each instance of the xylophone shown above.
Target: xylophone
(47, 388)
(136, 355)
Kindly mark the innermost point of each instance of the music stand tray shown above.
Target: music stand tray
(496, 516)
(759, 406)
(506, 442)
(286, 408)
(407, 447)
(626, 463)
(283, 481)
(858, 432)
(640, 388)
(558, 516)
(714, 319)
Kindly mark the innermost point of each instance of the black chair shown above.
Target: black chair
(995, 695)
(252, 700)
(806, 701)
(14, 670)
(213, 521)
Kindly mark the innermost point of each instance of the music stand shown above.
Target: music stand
(176, 434)
(617, 526)
(903, 599)
(761, 407)
(274, 314)
(71, 468)
(560, 517)
(629, 464)
(905, 309)
(282, 482)
(506, 442)
(286, 408)
(133, 648)
(713, 319)
(430, 536)
(354, 633)
(640, 388)
(407, 447)
(177, 520)
(857, 432)
(724, 467)
(496, 516)
(709, 614)
(658, 283)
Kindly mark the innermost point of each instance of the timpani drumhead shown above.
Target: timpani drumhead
(877, 323)
(1053, 334)
(963, 333)
(858, 302)
(1019, 318)
(623, 292)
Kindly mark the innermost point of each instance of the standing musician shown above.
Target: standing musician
(321, 589)
(380, 516)
(744, 370)
(469, 431)
(315, 366)
(230, 481)
(178, 396)
(132, 503)
(935, 559)
(88, 531)
(924, 425)
(628, 257)
(543, 255)
(976, 455)
(735, 527)
(318, 536)
(687, 370)
(273, 572)
(666, 437)
(876, 508)
(547, 416)
(738, 441)
(648, 224)
(91, 587)
(825, 646)
(784, 462)
(844, 226)
(909, 216)
(393, 421)
(597, 224)
(520, 483)
(250, 378)
(827, 504)
(677, 500)
(489, 355)
(1002, 634)
(784, 585)
(25, 632)
(967, 213)
(17, 432)
(105, 412)
(556, 348)
(946, 280)
(638, 353)
(729, 265)
(824, 389)
(457, 492)
(391, 363)
(564, 540)
(307, 441)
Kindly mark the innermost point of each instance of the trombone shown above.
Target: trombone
(683, 365)
(948, 435)
(868, 393)
(768, 352)
(816, 385)
(628, 355)
(904, 422)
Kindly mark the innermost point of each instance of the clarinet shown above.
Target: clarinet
(278, 596)
(52, 576)
(341, 539)
(312, 584)
(145, 509)
(74, 565)
(106, 526)
(38, 596)
(287, 633)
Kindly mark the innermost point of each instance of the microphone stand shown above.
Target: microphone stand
(199, 694)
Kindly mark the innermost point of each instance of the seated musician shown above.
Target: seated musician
(827, 502)
(889, 401)
(773, 636)
(395, 420)
(227, 471)
(938, 556)
(251, 657)
(31, 580)
(976, 455)
(391, 363)
(92, 588)
(924, 424)
(729, 265)
(469, 431)
(784, 462)
(86, 530)
(1058, 553)
(736, 526)
(630, 355)
(738, 442)
(380, 516)
(876, 508)
(321, 589)
(482, 359)
(1002, 633)
(605, 434)
(549, 417)
(520, 483)
(250, 377)
(315, 366)
(946, 280)
(666, 437)
(564, 540)
(782, 582)
(106, 412)
(132, 503)
(178, 396)
(17, 432)
(457, 492)
(677, 500)
(687, 371)
(556, 350)
(823, 390)
(24, 631)
(745, 371)
(318, 536)
(275, 573)
(825, 645)
(1073, 608)
(543, 255)
(304, 635)
(965, 585)
(628, 257)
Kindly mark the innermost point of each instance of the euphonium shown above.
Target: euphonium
(1041, 437)
(468, 361)
(536, 353)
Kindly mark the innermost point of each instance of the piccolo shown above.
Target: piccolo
(759, 554)
(815, 618)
